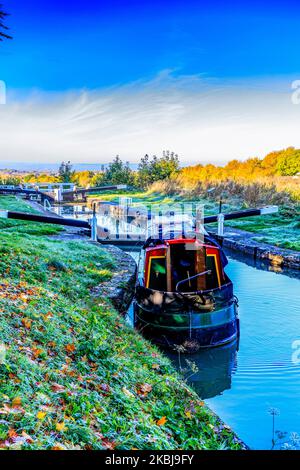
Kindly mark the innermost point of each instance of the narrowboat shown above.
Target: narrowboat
(183, 295)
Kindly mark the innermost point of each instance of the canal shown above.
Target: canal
(266, 372)
(251, 383)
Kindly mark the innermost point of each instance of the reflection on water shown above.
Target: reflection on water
(214, 368)
(266, 375)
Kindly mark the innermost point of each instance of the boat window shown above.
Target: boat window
(157, 273)
(183, 268)
(186, 265)
(212, 280)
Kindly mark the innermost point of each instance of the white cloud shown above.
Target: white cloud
(199, 118)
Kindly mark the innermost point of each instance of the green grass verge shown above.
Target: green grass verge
(73, 374)
(19, 226)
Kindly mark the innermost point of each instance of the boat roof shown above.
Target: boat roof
(182, 241)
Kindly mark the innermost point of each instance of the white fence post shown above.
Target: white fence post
(221, 225)
(58, 194)
(94, 225)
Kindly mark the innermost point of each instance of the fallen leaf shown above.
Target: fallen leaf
(36, 352)
(162, 421)
(127, 392)
(17, 401)
(27, 437)
(41, 415)
(58, 446)
(70, 348)
(145, 388)
(5, 410)
(60, 427)
(58, 388)
(27, 323)
(12, 434)
(108, 445)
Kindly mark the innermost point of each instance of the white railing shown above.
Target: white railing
(49, 186)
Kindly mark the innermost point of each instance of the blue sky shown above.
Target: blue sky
(169, 53)
(73, 44)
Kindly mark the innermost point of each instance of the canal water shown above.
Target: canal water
(245, 383)
(265, 372)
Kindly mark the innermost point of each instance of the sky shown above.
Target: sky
(211, 81)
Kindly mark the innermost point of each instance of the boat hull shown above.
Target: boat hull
(189, 329)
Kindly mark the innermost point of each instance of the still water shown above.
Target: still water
(264, 374)
(241, 383)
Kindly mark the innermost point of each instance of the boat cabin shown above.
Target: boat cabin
(183, 265)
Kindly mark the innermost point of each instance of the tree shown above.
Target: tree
(156, 169)
(289, 162)
(3, 27)
(66, 172)
(117, 172)
(84, 178)
(10, 180)
(144, 177)
(270, 162)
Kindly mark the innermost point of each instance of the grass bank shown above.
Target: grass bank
(73, 374)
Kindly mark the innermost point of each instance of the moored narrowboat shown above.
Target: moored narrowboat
(183, 295)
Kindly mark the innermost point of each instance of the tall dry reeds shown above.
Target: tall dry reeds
(245, 193)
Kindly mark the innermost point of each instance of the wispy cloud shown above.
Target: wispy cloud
(199, 118)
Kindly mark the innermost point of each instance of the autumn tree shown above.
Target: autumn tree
(289, 162)
(84, 178)
(270, 162)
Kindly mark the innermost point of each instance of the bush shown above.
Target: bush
(116, 173)
(156, 169)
